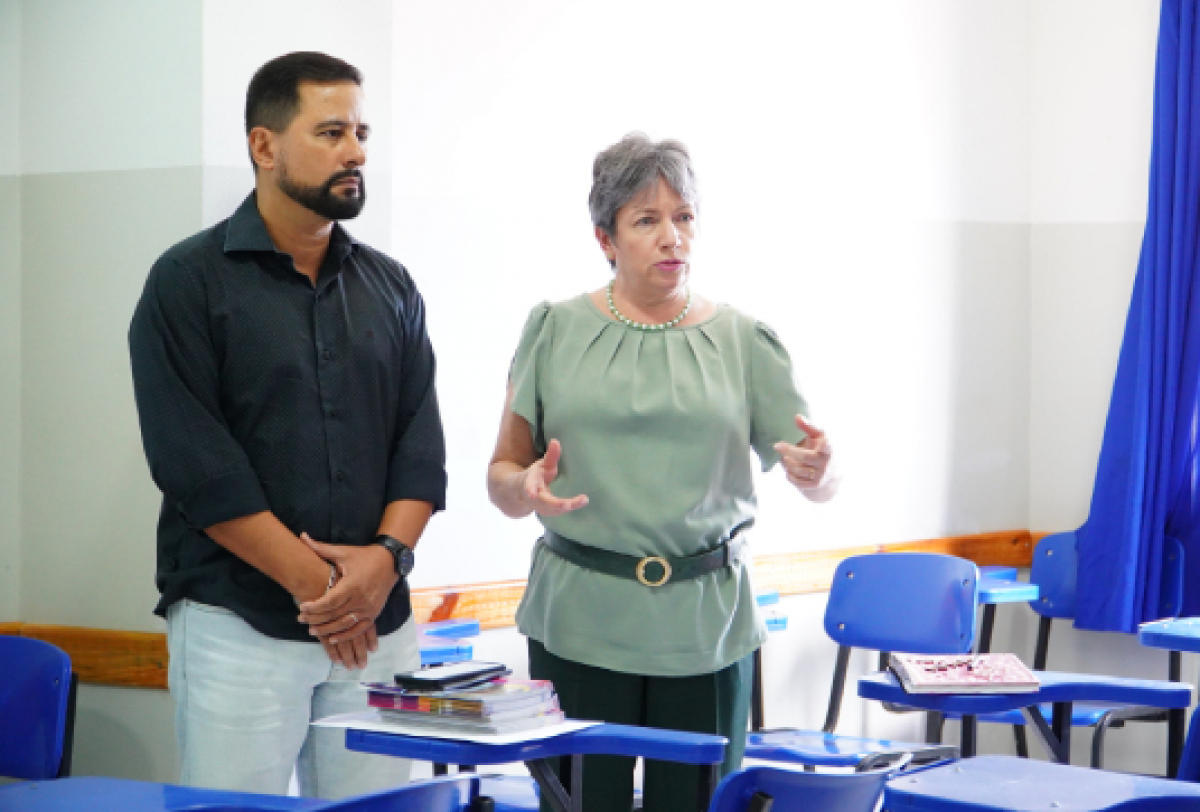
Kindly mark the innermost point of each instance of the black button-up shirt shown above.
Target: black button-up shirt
(257, 390)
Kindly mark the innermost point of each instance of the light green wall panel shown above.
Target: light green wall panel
(88, 504)
(125, 733)
(10, 396)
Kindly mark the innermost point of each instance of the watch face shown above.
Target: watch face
(406, 560)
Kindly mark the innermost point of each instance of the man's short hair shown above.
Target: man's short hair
(274, 93)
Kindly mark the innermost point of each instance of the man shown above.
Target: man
(285, 388)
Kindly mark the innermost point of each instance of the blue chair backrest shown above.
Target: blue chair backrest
(796, 791)
(920, 603)
(1170, 597)
(35, 688)
(1055, 567)
(1055, 563)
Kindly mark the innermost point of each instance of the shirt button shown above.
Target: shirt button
(327, 354)
(339, 475)
(331, 412)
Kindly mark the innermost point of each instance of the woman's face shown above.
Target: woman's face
(653, 242)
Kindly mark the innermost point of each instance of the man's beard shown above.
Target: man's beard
(322, 200)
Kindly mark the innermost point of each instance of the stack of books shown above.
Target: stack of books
(963, 674)
(497, 706)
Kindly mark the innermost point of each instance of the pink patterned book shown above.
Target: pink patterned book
(963, 674)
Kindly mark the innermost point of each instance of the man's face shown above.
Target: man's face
(322, 151)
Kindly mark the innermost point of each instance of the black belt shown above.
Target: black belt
(726, 554)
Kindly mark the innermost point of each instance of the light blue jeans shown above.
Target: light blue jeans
(243, 703)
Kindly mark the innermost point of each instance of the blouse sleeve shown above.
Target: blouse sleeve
(527, 370)
(774, 400)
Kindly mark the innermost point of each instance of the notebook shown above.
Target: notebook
(999, 673)
(493, 696)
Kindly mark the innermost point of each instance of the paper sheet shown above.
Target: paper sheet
(370, 720)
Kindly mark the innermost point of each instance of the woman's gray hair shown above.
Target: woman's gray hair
(628, 167)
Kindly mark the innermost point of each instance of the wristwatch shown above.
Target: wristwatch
(402, 554)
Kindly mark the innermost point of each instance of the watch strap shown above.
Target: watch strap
(402, 554)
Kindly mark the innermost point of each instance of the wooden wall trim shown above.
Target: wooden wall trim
(494, 605)
(139, 659)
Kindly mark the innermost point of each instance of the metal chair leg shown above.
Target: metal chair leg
(1020, 740)
(934, 724)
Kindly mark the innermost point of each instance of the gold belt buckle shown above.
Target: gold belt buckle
(651, 559)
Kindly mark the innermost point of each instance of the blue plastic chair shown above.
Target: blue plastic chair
(703, 750)
(1062, 691)
(998, 584)
(758, 789)
(1055, 563)
(1177, 636)
(913, 602)
(37, 709)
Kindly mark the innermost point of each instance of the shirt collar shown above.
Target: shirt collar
(248, 232)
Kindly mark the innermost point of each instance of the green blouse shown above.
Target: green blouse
(656, 428)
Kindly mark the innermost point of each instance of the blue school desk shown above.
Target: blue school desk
(618, 740)
(1008, 784)
(1176, 635)
(1059, 689)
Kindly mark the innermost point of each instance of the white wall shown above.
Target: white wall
(1091, 97)
(864, 181)
(936, 203)
(1092, 94)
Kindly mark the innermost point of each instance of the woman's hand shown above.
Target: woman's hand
(535, 487)
(808, 464)
(518, 481)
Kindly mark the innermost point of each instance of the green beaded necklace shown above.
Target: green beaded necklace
(649, 328)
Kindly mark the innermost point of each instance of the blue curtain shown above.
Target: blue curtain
(1147, 478)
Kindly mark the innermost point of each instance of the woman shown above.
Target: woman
(630, 416)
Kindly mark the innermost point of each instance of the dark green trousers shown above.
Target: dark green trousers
(717, 703)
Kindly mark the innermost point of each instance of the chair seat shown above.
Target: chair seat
(512, 793)
(817, 749)
(1006, 590)
(1055, 687)
(995, 783)
(1083, 714)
